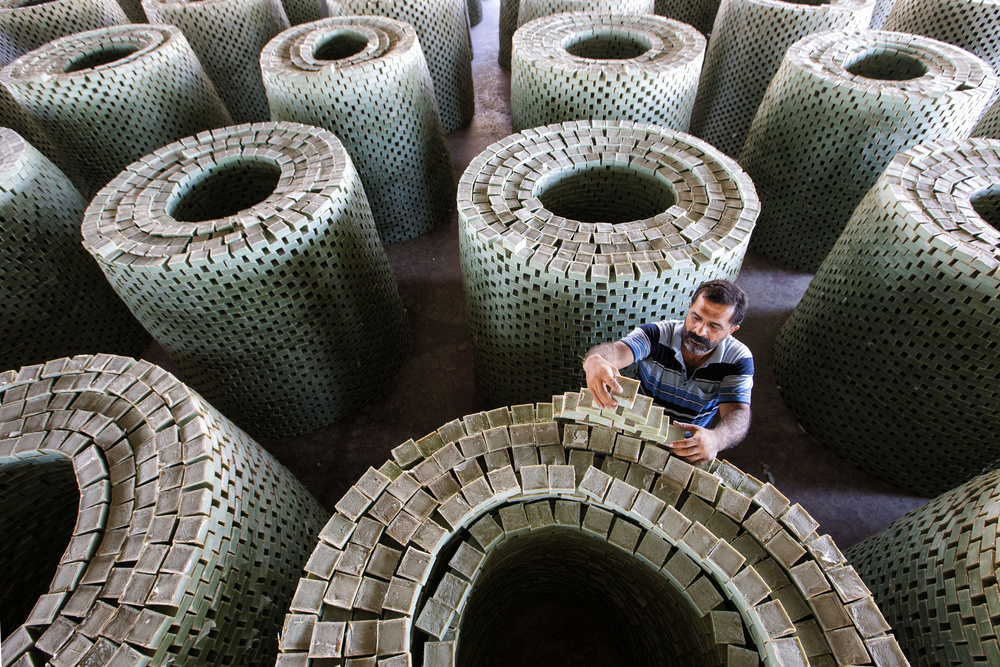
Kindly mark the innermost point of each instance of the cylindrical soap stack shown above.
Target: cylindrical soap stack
(55, 301)
(509, 10)
(578, 66)
(109, 96)
(889, 354)
(749, 40)
(989, 123)
(302, 11)
(973, 25)
(515, 14)
(698, 13)
(475, 8)
(228, 36)
(572, 234)
(945, 550)
(841, 106)
(423, 555)
(24, 26)
(533, 9)
(14, 117)
(188, 536)
(251, 256)
(364, 78)
(443, 29)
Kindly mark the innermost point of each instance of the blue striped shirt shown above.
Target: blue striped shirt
(725, 377)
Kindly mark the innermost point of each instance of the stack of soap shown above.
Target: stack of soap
(840, 107)
(463, 529)
(940, 594)
(475, 8)
(90, 93)
(697, 13)
(25, 26)
(508, 25)
(443, 29)
(973, 25)
(251, 256)
(581, 66)
(514, 14)
(533, 9)
(55, 300)
(228, 36)
(343, 74)
(188, 535)
(891, 350)
(748, 42)
(570, 234)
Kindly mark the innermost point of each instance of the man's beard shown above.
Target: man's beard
(695, 344)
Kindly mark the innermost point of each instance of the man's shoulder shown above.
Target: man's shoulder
(737, 358)
(736, 350)
(734, 361)
(666, 328)
(654, 341)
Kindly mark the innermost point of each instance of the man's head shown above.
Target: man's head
(716, 311)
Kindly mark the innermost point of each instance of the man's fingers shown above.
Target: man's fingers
(684, 448)
(608, 401)
(688, 453)
(691, 457)
(695, 450)
(601, 376)
(602, 396)
(692, 454)
(602, 387)
(688, 449)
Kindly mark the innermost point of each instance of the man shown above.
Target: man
(692, 367)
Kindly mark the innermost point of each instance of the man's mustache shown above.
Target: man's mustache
(696, 338)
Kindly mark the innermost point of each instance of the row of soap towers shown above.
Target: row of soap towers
(246, 249)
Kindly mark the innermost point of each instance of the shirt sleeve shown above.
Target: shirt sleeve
(642, 340)
(735, 388)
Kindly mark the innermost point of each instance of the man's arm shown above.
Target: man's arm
(601, 364)
(705, 443)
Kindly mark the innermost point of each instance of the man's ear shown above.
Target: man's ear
(734, 330)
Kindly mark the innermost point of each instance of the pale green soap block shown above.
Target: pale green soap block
(630, 389)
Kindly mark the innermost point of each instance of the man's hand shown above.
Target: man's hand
(600, 376)
(701, 447)
(705, 443)
(601, 365)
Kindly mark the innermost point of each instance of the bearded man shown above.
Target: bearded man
(693, 368)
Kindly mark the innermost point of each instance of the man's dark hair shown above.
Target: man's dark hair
(724, 293)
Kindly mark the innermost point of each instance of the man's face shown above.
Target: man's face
(706, 325)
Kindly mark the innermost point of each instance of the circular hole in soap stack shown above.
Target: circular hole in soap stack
(104, 55)
(885, 65)
(40, 506)
(987, 204)
(559, 597)
(339, 45)
(225, 190)
(610, 45)
(605, 193)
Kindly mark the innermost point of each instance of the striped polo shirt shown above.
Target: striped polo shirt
(725, 377)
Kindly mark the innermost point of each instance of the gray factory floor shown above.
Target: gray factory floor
(436, 384)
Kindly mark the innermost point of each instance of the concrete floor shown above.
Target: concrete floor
(436, 384)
